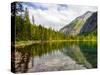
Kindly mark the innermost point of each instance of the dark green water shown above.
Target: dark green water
(55, 57)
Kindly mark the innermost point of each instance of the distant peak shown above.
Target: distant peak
(88, 12)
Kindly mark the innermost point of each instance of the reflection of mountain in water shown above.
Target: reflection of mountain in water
(90, 52)
(55, 56)
(75, 52)
(83, 53)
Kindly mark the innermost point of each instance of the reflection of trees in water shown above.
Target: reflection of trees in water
(45, 48)
(23, 60)
(22, 65)
(24, 57)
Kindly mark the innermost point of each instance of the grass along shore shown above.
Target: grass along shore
(26, 43)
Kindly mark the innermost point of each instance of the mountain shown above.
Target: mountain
(84, 23)
(91, 24)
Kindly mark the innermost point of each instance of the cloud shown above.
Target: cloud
(62, 7)
(56, 15)
(35, 5)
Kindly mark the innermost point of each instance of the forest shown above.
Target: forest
(27, 31)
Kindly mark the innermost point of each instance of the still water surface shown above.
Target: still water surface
(56, 56)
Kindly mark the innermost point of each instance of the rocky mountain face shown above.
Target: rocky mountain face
(85, 23)
(91, 24)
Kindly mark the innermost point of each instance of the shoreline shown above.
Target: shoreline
(26, 43)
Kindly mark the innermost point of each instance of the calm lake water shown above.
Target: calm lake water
(57, 56)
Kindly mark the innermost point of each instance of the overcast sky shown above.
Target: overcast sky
(55, 15)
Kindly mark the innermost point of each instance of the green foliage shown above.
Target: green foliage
(26, 31)
(43, 34)
(23, 28)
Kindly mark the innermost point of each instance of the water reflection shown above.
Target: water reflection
(55, 57)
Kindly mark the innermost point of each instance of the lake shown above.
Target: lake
(55, 56)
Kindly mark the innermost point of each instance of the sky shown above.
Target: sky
(55, 16)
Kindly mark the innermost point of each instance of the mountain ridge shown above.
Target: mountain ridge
(84, 23)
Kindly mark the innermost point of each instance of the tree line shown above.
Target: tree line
(25, 30)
